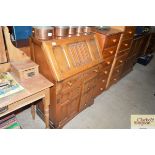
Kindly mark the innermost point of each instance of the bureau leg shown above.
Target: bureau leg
(33, 107)
(46, 102)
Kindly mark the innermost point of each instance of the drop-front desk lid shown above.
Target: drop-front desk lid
(70, 56)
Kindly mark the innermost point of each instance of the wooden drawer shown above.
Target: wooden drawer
(108, 62)
(88, 85)
(68, 95)
(121, 53)
(129, 32)
(120, 60)
(117, 70)
(91, 73)
(100, 89)
(112, 40)
(101, 84)
(125, 45)
(71, 82)
(102, 81)
(108, 52)
(67, 110)
(114, 79)
(104, 71)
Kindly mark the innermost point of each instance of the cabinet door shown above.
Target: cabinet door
(2, 48)
(86, 99)
(63, 112)
(73, 107)
(67, 110)
(87, 93)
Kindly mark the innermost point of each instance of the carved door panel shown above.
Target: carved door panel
(68, 110)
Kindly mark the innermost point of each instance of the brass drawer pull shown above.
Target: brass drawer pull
(120, 61)
(3, 109)
(105, 72)
(130, 32)
(95, 70)
(114, 40)
(117, 71)
(103, 81)
(108, 62)
(101, 89)
(111, 52)
(126, 45)
(115, 79)
(69, 83)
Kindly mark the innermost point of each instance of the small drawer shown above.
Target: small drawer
(108, 52)
(71, 82)
(69, 95)
(129, 32)
(117, 70)
(121, 60)
(114, 79)
(125, 45)
(101, 86)
(108, 61)
(112, 40)
(121, 53)
(104, 72)
(102, 80)
(91, 73)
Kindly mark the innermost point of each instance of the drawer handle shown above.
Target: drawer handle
(3, 109)
(88, 88)
(126, 45)
(103, 81)
(105, 72)
(96, 71)
(111, 52)
(118, 71)
(130, 32)
(115, 79)
(114, 40)
(120, 61)
(101, 89)
(108, 62)
(69, 83)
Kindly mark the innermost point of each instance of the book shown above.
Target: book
(10, 122)
(8, 85)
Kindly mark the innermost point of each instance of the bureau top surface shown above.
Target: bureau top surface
(108, 32)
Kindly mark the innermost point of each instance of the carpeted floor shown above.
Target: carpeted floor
(134, 94)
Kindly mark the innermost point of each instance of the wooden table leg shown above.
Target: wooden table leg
(33, 111)
(46, 102)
